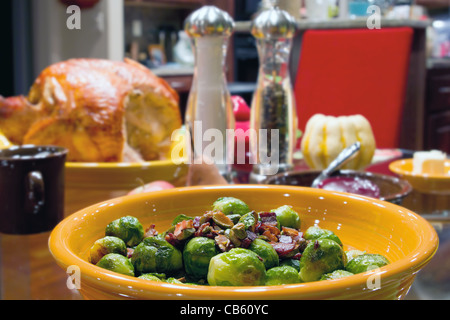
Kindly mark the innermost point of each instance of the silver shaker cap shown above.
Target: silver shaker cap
(273, 23)
(209, 20)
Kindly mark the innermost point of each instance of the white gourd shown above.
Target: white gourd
(326, 136)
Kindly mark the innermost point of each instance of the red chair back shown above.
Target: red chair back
(355, 71)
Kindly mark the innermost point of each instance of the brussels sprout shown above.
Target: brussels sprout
(281, 275)
(236, 234)
(295, 263)
(196, 256)
(184, 230)
(150, 276)
(287, 217)
(366, 262)
(250, 219)
(266, 252)
(234, 218)
(336, 274)
(106, 245)
(237, 267)
(314, 233)
(181, 217)
(174, 281)
(128, 228)
(230, 205)
(117, 263)
(319, 257)
(353, 254)
(156, 255)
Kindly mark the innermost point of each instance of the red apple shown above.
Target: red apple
(152, 186)
(240, 108)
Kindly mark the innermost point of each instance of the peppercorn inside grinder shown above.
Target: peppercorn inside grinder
(273, 120)
(209, 114)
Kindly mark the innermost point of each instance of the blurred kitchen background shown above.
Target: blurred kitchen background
(34, 35)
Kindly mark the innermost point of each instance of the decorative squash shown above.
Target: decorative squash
(326, 136)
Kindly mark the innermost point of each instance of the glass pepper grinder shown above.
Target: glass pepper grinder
(209, 114)
(273, 112)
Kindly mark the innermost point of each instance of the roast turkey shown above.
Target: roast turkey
(100, 110)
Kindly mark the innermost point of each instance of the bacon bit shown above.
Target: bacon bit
(283, 249)
(285, 239)
(246, 243)
(130, 252)
(269, 218)
(316, 244)
(251, 235)
(270, 236)
(269, 231)
(170, 238)
(184, 229)
(297, 256)
(203, 230)
(268, 227)
(290, 232)
(197, 223)
(150, 232)
(295, 235)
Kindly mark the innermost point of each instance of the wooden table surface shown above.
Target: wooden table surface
(29, 272)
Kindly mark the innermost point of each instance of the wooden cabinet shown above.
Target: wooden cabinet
(437, 122)
(157, 14)
(227, 5)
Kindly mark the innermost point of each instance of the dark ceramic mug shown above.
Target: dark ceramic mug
(31, 188)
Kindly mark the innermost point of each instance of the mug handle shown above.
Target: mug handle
(36, 191)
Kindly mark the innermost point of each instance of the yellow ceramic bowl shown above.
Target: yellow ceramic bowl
(90, 183)
(425, 183)
(405, 238)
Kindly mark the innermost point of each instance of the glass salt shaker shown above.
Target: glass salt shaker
(209, 114)
(273, 112)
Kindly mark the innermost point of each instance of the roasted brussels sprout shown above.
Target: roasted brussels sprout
(174, 280)
(287, 217)
(237, 267)
(295, 263)
(281, 275)
(366, 262)
(106, 245)
(237, 234)
(320, 256)
(117, 263)
(353, 254)
(230, 205)
(234, 217)
(156, 255)
(266, 252)
(149, 276)
(196, 256)
(250, 219)
(128, 228)
(229, 245)
(315, 232)
(181, 217)
(336, 274)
